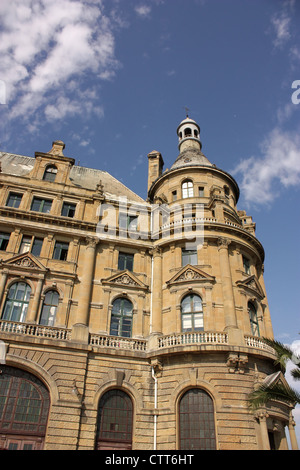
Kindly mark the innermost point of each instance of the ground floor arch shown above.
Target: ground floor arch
(24, 410)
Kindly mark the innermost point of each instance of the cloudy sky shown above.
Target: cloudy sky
(112, 78)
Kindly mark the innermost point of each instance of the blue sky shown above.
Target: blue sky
(111, 78)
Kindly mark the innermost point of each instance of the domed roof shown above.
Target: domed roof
(190, 157)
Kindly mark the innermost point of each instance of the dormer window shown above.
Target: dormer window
(187, 189)
(50, 173)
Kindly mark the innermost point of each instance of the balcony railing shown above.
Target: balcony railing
(196, 337)
(118, 342)
(35, 330)
(133, 344)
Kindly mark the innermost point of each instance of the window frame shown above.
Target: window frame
(60, 251)
(253, 318)
(48, 172)
(14, 197)
(71, 206)
(190, 254)
(187, 189)
(127, 258)
(119, 318)
(12, 302)
(48, 317)
(32, 239)
(4, 240)
(42, 203)
(194, 314)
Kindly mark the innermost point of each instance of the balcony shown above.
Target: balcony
(167, 343)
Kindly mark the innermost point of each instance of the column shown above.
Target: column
(292, 433)
(80, 327)
(3, 283)
(156, 313)
(33, 309)
(262, 418)
(234, 334)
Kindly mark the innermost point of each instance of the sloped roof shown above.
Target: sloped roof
(81, 177)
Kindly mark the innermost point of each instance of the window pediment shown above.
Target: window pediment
(252, 285)
(24, 261)
(190, 274)
(125, 279)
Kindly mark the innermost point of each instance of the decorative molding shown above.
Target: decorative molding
(24, 262)
(125, 279)
(252, 285)
(190, 274)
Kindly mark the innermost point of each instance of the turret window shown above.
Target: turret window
(192, 313)
(187, 189)
(253, 319)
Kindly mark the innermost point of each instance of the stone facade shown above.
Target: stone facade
(106, 296)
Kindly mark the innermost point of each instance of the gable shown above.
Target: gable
(125, 279)
(24, 261)
(252, 285)
(189, 274)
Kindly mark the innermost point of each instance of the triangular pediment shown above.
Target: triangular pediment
(125, 279)
(24, 261)
(190, 273)
(253, 285)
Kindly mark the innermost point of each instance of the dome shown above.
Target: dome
(190, 157)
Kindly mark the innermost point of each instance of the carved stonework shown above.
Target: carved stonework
(125, 279)
(236, 363)
(253, 286)
(190, 274)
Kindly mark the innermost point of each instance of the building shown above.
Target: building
(132, 324)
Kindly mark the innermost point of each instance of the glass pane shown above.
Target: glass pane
(37, 246)
(186, 304)
(198, 321)
(187, 322)
(197, 304)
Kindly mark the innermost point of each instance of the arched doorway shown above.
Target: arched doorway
(24, 409)
(114, 421)
(196, 421)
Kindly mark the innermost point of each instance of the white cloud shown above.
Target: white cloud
(48, 48)
(278, 167)
(143, 10)
(281, 27)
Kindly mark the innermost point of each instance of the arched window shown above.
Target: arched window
(253, 319)
(49, 308)
(196, 421)
(191, 313)
(114, 421)
(17, 300)
(187, 132)
(50, 173)
(187, 189)
(24, 408)
(121, 317)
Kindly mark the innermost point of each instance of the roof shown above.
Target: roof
(190, 157)
(81, 177)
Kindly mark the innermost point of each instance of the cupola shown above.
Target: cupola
(188, 133)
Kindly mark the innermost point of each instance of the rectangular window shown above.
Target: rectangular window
(31, 244)
(128, 222)
(246, 265)
(174, 195)
(201, 191)
(14, 200)
(41, 205)
(68, 209)
(61, 251)
(189, 257)
(125, 261)
(4, 239)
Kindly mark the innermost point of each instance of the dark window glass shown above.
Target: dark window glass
(41, 205)
(37, 246)
(196, 421)
(125, 261)
(115, 420)
(61, 251)
(50, 173)
(68, 209)
(14, 200)
(253, 319)
(4, 239)
(121, 318)
(24, 403)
